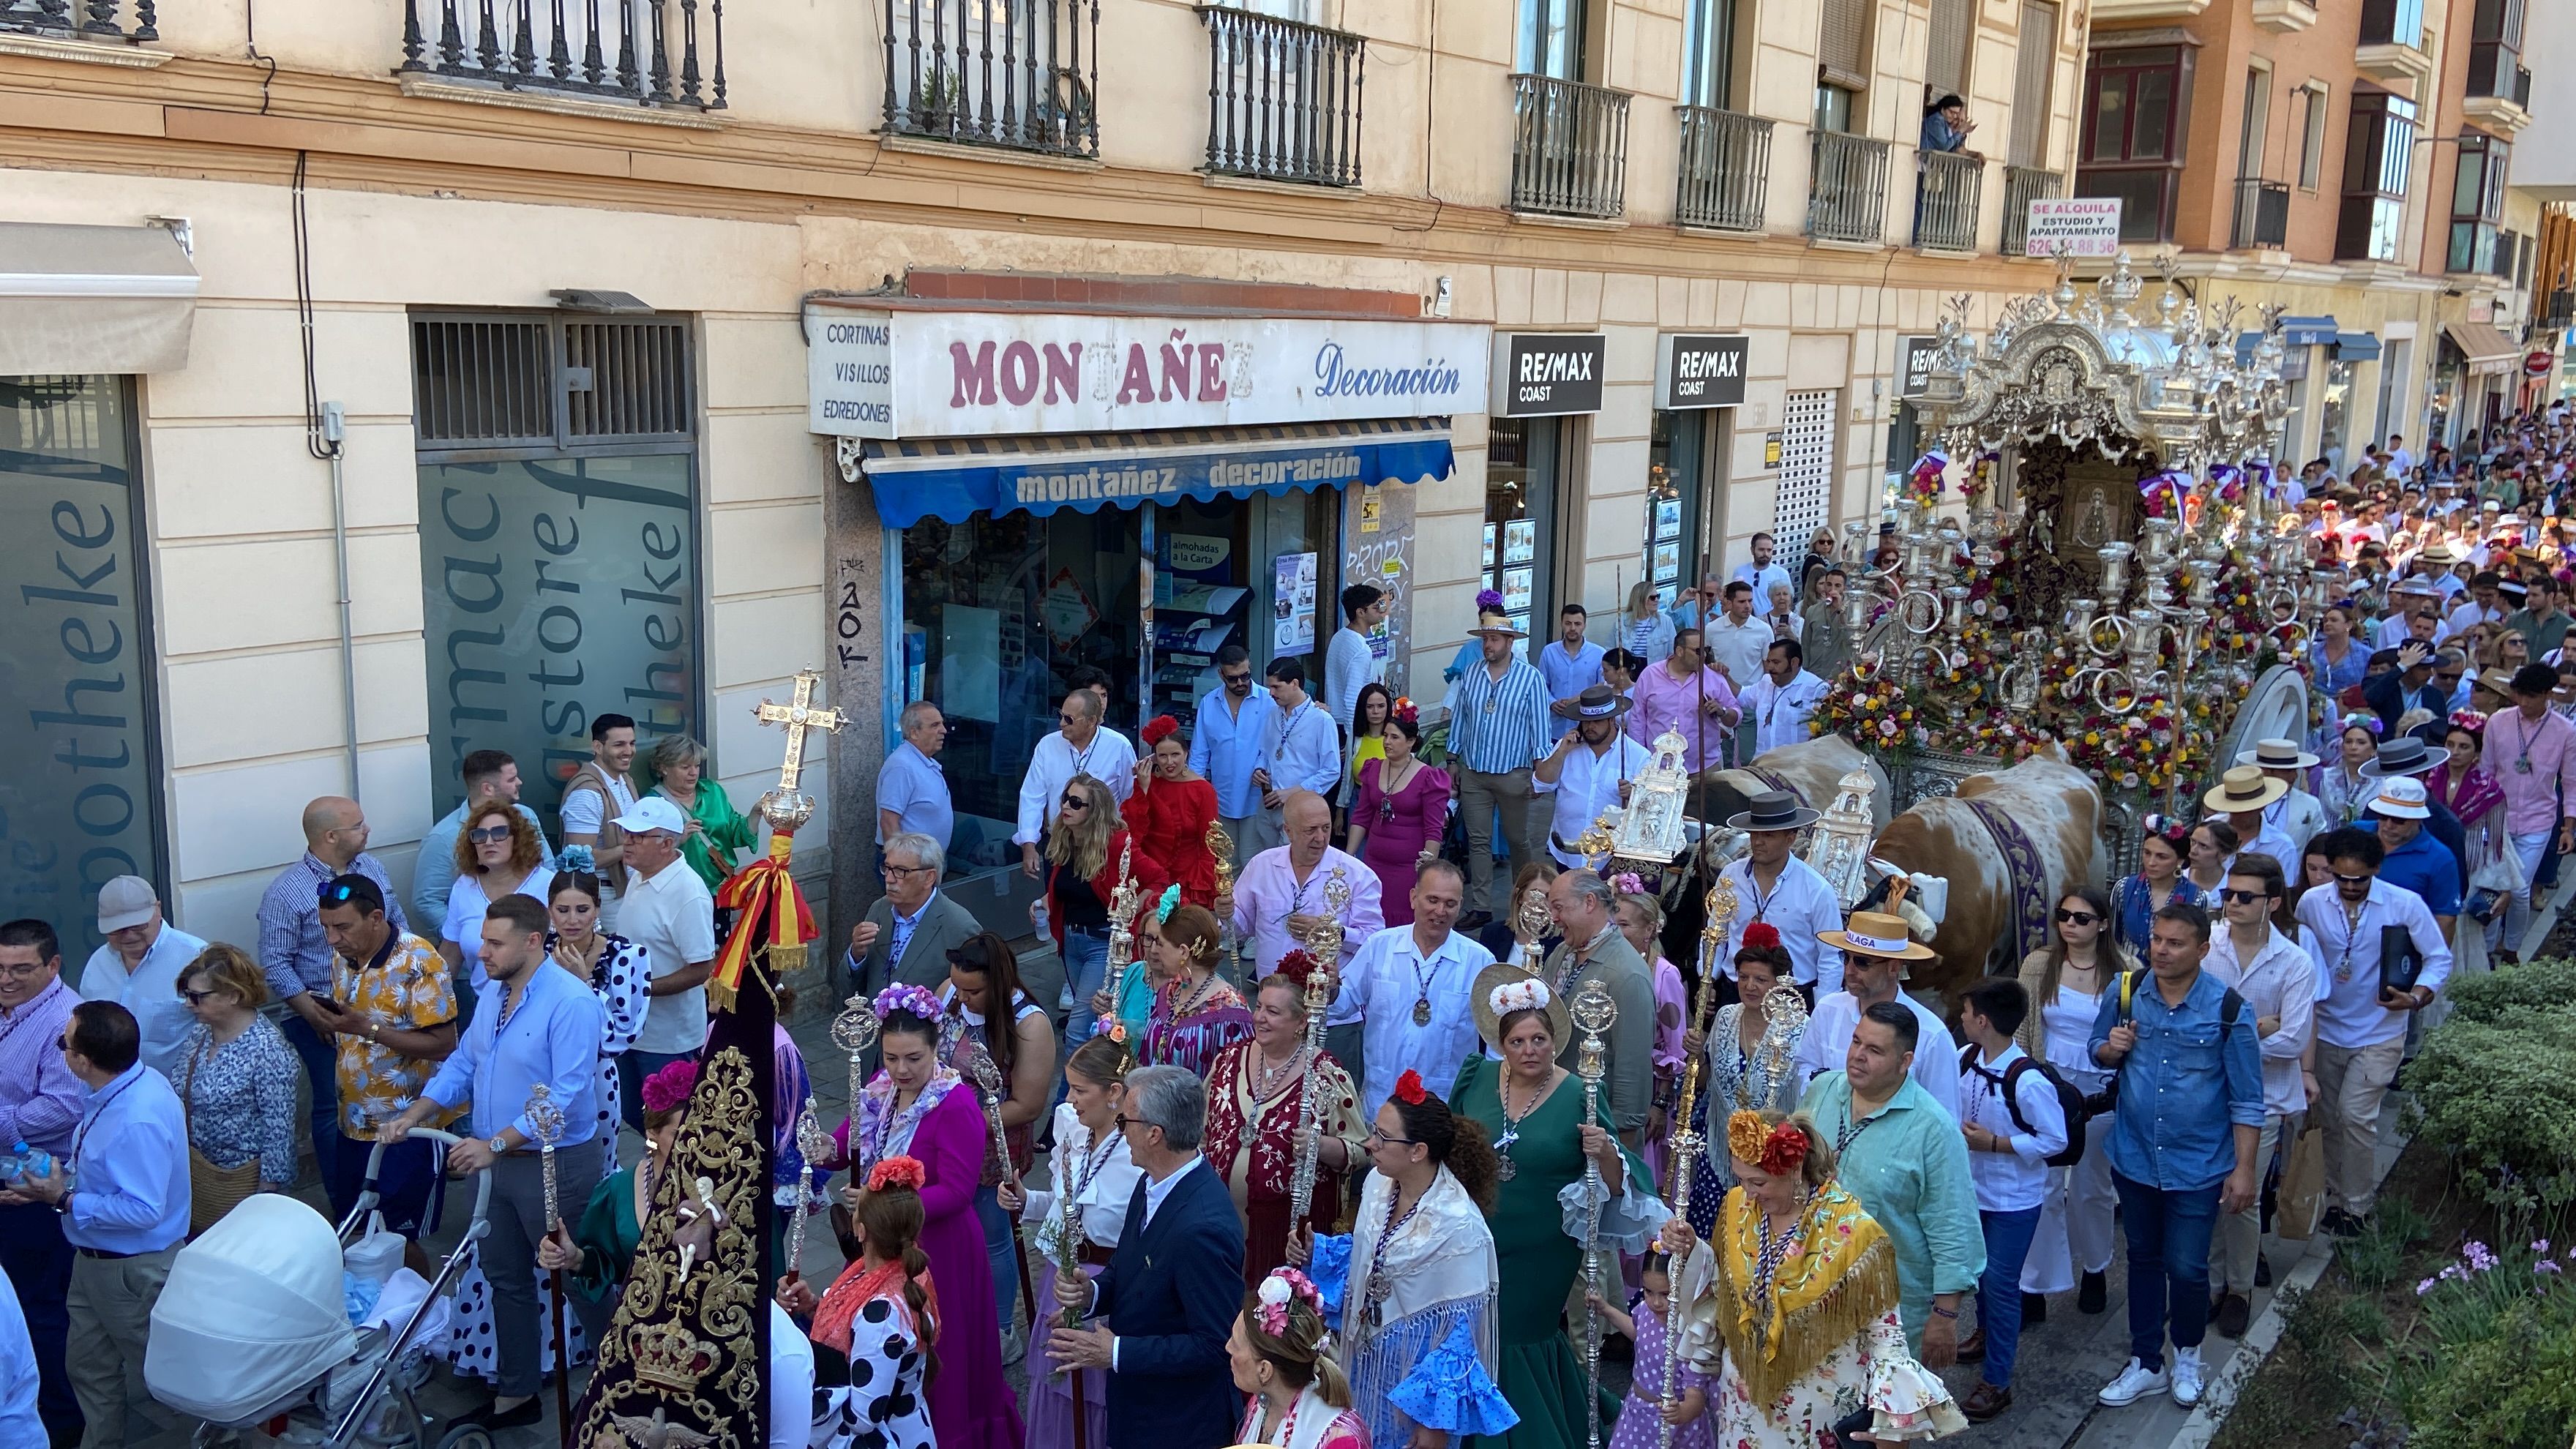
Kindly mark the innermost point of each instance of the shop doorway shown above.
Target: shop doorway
(1524, 460)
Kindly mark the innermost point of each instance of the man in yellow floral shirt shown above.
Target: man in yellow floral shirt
(393, 1013)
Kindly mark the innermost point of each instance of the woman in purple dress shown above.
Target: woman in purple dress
(1397, 817)
(919, 1108)
(1196, 1014)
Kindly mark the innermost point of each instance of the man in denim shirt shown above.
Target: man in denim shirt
(2181, 1142)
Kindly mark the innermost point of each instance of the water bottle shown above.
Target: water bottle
(11, 1165)
(24, 1161)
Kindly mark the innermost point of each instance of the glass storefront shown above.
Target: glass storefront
(80, 804)
(1679, 450)
(1523, 461)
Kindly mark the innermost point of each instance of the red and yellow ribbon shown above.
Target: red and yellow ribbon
(762, 889)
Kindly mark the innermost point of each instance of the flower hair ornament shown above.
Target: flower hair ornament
(1626, 883)
(1489, 598)
(906, 997)
(1761, 936)
(2370, 722)
(1170, 902)
(897, 1172)
(1158, 729)
(1529, 994)
(1282, 1287)
(1297, 966)
(1408, 1088)
(2173, 830)
(576, 860)
(1405, 709)
(2471, 720)
(1778, 1151)
(671, 1086)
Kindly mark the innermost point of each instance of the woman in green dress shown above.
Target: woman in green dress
(1533, 1110)
(716, 829)
(596, 1254)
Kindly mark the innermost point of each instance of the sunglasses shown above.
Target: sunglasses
(489, 835)
(1244, 678)
(2236, 897)
(1073, 802)
(2362, 879)
(335, 894)
(2076, 918)
(199, 998)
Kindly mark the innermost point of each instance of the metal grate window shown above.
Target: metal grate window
(1842, 45)
(1806, 465)
(487, 382)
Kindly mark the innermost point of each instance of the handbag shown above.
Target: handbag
(2496, 878)
(2300, 1199)
(212, 1191)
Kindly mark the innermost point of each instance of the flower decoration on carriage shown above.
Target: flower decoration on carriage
(1980, 482)
(1283, 1286)
(1627, 883)
(897, 1171)
(2227, 481)
(905, 997)
(1408, 1088)
(2164, 492)
(1528, 994)
(1923, 482)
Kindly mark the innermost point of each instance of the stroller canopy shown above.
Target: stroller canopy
(253, 1314)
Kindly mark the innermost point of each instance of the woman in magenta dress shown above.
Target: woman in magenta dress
(918, 1108)
(1396, 819)
(1196, 1014)
(1171, 811)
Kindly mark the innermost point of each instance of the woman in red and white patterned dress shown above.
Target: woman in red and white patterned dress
(1257, 1104)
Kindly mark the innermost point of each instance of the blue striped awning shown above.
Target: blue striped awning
(956, 478)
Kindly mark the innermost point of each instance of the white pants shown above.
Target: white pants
(2075, 1227)
(2528, 850)
(2351, 1081)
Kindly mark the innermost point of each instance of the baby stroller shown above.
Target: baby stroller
(252, 1330)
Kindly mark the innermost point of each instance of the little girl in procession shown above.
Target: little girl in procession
(1643, 1411)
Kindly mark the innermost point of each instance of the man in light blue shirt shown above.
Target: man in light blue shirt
(1762, 573)
(1299, 750)
(124, 1205)
(138, 967)
(912, 790)
(488, 775)
(552, 1041)
(1349, 663)
(1498, 732)
(1225, 742)
(1571, 665)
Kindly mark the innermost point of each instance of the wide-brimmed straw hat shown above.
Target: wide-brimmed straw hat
(1872, 933)
(1773, 810)
(2244, 788)
(2277, 755)
(1495, 621)
(1502, 975)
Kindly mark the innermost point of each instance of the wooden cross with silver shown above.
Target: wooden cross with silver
(797, 717)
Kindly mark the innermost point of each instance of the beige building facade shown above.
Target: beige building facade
(525, 327)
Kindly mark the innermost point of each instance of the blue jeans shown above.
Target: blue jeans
(632, 1069)
(39, 1262)
(404, 1184)
(1999, 1290)
(322, 1073)
(1002, 1255)
(2169, 1234)
(1086, 965)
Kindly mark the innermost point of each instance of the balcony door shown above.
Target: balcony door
(1551, 39)
(1708, 54)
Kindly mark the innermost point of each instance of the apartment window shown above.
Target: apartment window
(1834, 108)
(1708, 54)
(2495, 48)
(2133, 103)
(2255, 131)
(2477, 203)
(2312, 134)
(1551, 39)
(1945, 69)
(2034, 73)
(2379, 153)
(1842, 47)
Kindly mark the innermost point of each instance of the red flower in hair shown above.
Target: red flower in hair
(897, 1172)
(1784, 1151)
(1761, 936)
(1158, 729)
(1296, 966)
(1408, 1088)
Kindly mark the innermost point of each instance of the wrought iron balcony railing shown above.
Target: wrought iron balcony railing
(1947, 190)
(2262, 215)
(1017, 73)
(2022, 186)
(1725, 169)
(1569, 147)
(81, 19)
(1847, 187)
(652, 52)
(1283, 98)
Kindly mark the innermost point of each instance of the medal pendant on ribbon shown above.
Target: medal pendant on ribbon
(1505, 1168)
(1422, 1011)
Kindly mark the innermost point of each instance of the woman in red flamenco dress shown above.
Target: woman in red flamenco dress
(1172, 810)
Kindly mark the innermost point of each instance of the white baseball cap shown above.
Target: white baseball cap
(127, 900)
(653, 813)
(2401, 797)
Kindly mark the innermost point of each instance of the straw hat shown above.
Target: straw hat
(1503, 976)
(1495, 621)
(2276, 755)
(1874, 933)
(2244, 788)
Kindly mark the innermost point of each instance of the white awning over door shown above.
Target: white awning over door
(78, 300)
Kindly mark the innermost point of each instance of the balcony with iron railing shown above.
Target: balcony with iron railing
(1947, 187)
(1569, 148)
(644, 52)
(1725, 169)
(2022, 186)
(1283, 99)
(2498, 94)
(2262, 215)
(1846, 187)
(1021, 76)
(98, 20)
(2391, 46)
(2558, 313)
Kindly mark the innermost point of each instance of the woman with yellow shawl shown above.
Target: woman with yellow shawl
(1804, 1295)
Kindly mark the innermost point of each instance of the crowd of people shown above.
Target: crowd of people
(1300, 1152)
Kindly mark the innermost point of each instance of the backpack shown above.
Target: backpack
(2077, 1107)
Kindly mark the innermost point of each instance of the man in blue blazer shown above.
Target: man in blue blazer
(1170, 1293)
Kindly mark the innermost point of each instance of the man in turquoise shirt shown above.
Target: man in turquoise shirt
(1903, 1157)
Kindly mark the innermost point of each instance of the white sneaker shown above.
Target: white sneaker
(2134, 1383)
(2186, 1376)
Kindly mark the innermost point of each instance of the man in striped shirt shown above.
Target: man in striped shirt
(1498, 730)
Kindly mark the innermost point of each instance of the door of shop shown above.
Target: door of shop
(1806, 467)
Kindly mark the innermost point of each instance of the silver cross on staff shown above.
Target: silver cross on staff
(796, 717)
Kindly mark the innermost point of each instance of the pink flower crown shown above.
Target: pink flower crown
(1277, 1290)
(905, 997)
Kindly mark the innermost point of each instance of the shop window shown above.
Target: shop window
(2132, 146)
(2379, 153)
(81, 802)
(561, 557)
(1679, 481)
(1523, 458)
(2477, 203)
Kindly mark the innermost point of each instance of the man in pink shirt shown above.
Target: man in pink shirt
(2531, 750)
(1682, 691)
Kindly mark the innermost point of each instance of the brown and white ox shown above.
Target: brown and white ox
(1811, 769)
(2058, 808)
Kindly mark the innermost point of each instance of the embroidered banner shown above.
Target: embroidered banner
(2029, 880)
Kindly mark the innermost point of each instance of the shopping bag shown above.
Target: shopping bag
(376, 1253)
(2302, 1195)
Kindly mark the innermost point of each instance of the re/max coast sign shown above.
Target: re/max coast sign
(887, 374)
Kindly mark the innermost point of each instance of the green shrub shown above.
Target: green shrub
(2503, 1372)
(2493, 1086)
(2511, 993)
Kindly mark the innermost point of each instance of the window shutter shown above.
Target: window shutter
(1946, 69)
(2033, 71)
(1844, 44)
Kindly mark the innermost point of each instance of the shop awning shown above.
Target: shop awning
(2308, 331)
(93, 299)
(2356, 347)
(956, 478)
(2486, 349)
